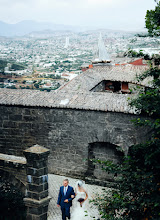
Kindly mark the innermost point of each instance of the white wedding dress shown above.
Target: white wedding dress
(80, 213)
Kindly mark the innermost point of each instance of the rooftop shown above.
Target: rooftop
(76, 94)
(90, 78)
(88, 101)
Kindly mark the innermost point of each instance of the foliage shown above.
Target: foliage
(3, 64)
(12, 206)
(36, 85)
(152, 21)
(12, 87)
(141, 35)
(53, 76)
(16, 66)
(137, 193)
(133, 53)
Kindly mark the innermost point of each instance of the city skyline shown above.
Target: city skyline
(117, 14)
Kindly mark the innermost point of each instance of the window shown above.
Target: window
(112, 86)
(124, 87)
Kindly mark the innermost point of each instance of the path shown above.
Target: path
(55, 182)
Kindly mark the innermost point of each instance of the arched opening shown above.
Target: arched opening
(103, 151)
(11, 198)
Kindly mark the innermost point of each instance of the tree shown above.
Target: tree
(137, 193)
(152, 21)
(133, 53)
(16, 66)
(3, 64)
(36, 85)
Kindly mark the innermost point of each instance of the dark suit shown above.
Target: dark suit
(65, 206)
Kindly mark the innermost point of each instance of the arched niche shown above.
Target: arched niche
(103, 151)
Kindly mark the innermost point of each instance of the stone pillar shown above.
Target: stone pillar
(37, 198)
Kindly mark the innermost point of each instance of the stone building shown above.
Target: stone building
(87, 118)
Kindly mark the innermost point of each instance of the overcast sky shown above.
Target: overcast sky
(114, 14)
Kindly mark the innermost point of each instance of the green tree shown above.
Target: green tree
(133, 53)
(3, 64)
(16, 66)
(137, 193)
(36, 85)
(152, 21)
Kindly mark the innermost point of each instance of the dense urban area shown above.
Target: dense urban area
(45, 61)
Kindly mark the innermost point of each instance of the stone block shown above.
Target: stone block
(38, 195)
(24, 125)
(40, 180)
(35, 188)
(28, 118)
(37, 163)
(29, 217)
(35, 211)
(26, 111)
(45, 186)
(37, 172)
(15, 117)
(41, 217)
(10, 124)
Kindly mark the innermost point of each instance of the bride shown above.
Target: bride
(79, 208)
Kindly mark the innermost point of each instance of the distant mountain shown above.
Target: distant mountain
(33, 28)
(47, 33)
(25, 27)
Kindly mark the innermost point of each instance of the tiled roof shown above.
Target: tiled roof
(90, 78)
(77, 95)
(87, 100)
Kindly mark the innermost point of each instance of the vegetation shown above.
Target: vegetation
(12, 206)
(36, 85)
(3, 64)
(53, 76)
(137, 193)
(16, 66)
(141, 35)
(152, 21)
(133, 53)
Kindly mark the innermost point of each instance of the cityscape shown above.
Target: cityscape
(46, 60)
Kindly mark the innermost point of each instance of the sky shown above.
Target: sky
(112, 14)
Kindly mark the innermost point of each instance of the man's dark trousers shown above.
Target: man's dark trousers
(65, 212)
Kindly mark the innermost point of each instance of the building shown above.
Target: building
(87, 118)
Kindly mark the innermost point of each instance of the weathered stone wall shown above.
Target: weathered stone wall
(13, 169)
(110, 152)
(66, 132)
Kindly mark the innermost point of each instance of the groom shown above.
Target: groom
(65, 197)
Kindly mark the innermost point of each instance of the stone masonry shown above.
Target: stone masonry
(37, 199)
(68, 133)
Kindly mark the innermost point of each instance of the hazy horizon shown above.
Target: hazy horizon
(117, 14)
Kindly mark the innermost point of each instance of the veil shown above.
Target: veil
(81, 184)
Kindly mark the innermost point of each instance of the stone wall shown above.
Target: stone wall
(67, 133)
(13, 169)
(110, 152)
